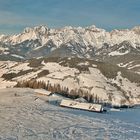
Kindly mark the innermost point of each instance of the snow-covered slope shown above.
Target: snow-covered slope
(108, 82)
(77, 41)
(26, 117)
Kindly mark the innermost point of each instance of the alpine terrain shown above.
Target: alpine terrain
(102, 64)
(75, 63)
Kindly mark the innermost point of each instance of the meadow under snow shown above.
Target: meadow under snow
(119, 89)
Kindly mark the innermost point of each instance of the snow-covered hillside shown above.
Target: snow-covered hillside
(110, 83)
(24, 116)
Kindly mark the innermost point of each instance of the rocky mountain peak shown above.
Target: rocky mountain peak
(38, 29)
(136, 29)
(94, 28)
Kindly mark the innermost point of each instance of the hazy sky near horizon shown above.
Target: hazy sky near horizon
(15, 15)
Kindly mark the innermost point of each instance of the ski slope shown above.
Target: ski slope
(24, 116)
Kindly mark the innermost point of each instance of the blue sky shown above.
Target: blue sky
(15, 15)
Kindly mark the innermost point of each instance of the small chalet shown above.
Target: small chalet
(42, 92)
(81, 105)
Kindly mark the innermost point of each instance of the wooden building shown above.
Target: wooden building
(82, 106)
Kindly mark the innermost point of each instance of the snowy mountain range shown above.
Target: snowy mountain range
(88, 42)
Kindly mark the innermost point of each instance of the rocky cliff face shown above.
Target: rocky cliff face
(80, 42)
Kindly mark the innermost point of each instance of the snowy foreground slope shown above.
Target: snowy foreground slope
(23, 116)
(110, 83)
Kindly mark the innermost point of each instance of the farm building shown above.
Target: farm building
(55, 99)
(42, 92)
(81, 100)
(82, 106)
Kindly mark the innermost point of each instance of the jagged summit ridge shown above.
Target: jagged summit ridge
(78, 41)
(89, 35)
(41, 29)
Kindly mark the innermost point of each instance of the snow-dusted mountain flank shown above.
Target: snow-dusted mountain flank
(82, 42)
(109, 83)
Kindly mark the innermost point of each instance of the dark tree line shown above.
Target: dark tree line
(64, 91)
